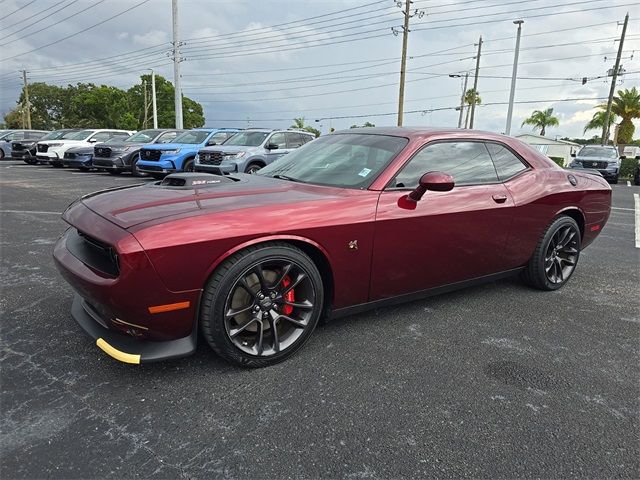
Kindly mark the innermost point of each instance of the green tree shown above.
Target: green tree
(597, 121)
(366, 124)
(542, 119)
(626, 105)
(471, 97)
(299, 124)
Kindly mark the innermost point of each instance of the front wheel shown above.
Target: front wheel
(262, 304)
(188, 166)
(556, 256)
(114, 172)
(253, 168)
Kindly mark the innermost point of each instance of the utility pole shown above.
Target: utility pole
(403, 62)
(153, 99)
(176, 64)
(512, 93)
(605, 128)
(26, 98)
(464, 92)
(475, 83)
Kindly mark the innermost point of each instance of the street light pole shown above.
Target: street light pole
(512, 93)
(403, 62)
(153, 99)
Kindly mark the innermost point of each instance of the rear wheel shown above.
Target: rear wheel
(262, 304)
(556, 256)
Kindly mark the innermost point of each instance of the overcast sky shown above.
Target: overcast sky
(272, 60)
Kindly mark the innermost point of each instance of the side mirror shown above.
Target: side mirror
(573, 154)
(271, 146)
(434, 181)
(211, 144)
(93, 140)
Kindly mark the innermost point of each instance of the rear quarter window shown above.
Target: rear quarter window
(506, 162)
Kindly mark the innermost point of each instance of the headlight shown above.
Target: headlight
(170, 152)
(55, 145)
(197, 157)
(234, 155)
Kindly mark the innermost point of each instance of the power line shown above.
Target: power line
(18, 9)
(139, 4)
(32, 17)
(93, 5)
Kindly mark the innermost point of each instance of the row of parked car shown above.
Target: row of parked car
(156, 152)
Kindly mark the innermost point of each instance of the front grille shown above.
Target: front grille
(69, 155)
(211, 158)
(150, 168)
(18, 146)
(103, 152)
(594, 164)
(42, 148)
(151, 155)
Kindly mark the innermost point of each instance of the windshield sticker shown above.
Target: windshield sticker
(364, 172)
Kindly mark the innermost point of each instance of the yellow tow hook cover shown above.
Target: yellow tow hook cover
(117, 354)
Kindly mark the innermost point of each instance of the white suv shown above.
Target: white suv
(52, 151)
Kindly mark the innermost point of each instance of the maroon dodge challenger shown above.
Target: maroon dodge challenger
(353, 220)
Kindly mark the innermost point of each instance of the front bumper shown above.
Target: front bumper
(223, 168)
(610, 173)
(109, 163)
(77, 162)
(128, 307)
(124, 348)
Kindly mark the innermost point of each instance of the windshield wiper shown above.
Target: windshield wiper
(291, 179)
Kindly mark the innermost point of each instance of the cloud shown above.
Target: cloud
(151, 38)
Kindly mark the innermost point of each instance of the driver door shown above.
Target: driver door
(446, 237)
(280, 140)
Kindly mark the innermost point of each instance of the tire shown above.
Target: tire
(188, 165)
(158, 176)
(1, 154)
(556, 255)
(84, 169)
(274, 287)
(114, 172)
(614, 181)
(57, 165)
(135, 171)
(253, 168)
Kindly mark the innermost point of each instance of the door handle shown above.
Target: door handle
(499, 198)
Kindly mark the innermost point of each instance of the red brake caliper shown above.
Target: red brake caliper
(289, 296)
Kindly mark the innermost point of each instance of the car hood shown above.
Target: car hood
(597, 159)
(226, 149)
(171, 146)
(81, 149)
(65, 142)
(133, 206)
(121, 145)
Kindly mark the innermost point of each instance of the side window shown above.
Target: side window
(507, 164)
(294, 140)
(306, 138)
(279, 139)
(33, 135)
(101, 136)
(167, 137)
(468, 163)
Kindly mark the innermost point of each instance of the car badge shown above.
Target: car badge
(353, 245)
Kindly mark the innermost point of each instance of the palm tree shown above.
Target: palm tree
(542, 119)
(298, 123)
(471, 97)
(597, 122)
(627, 106)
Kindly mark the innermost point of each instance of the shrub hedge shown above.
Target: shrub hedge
(628, 167)
(558, 160)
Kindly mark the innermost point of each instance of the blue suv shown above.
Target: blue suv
(160, 160)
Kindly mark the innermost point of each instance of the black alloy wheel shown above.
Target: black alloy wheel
(262, 304)
(135, 171)
(556, 255)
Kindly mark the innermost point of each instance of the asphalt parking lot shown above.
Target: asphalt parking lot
(497, 381)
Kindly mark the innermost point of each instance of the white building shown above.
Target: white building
(550, 147)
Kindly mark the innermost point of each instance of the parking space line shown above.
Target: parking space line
(621, 208)
(39, 212)
(628, 183)
(636, 199)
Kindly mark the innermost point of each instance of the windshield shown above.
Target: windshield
(81, 135)
(351, 160)
(55, 135)
(247, 139)
(193, 137)
(145, 136)
(67, 135)
(598, 152)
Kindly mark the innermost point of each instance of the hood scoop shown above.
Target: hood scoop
(187, 181)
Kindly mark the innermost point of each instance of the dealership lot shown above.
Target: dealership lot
(494, 381)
